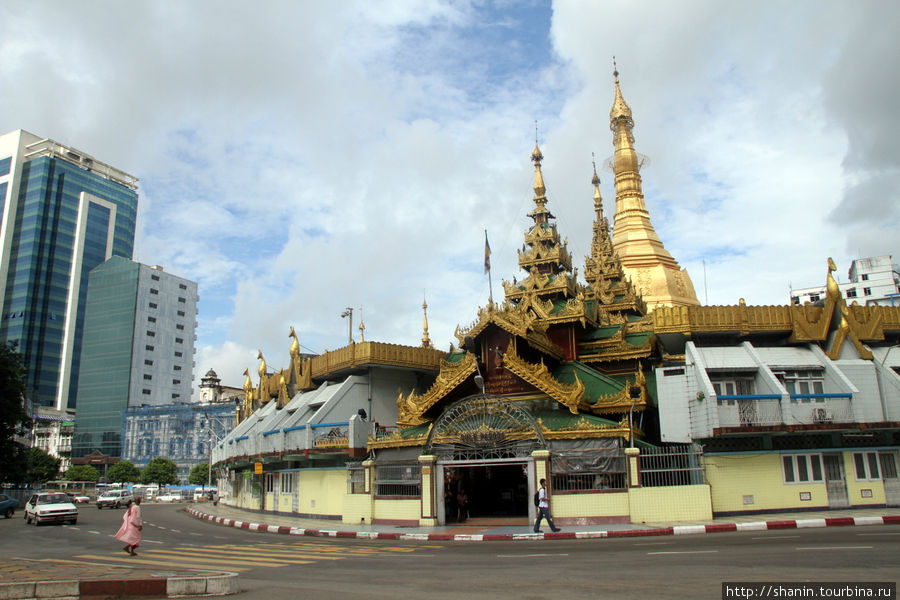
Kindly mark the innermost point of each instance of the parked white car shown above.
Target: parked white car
(169, 498)
(53, 507)
(114, 499)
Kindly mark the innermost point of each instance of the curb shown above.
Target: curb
(566, 535)
(220, 584)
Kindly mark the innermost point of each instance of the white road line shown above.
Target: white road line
(686, 552)
(774, 537)
(654, 544)
(834, 548)
(95, 532)
(527, 555)
(194, 533)
(876, 534)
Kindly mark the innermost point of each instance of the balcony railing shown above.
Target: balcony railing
(750, 410)
(756, 410)
(822, 408)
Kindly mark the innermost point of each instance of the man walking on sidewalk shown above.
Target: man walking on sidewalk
(544, 509)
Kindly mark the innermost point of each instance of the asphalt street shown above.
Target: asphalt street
(283, 566)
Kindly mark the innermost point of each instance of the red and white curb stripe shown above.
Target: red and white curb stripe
(563, 535)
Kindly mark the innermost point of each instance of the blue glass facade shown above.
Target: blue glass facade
(50, 211)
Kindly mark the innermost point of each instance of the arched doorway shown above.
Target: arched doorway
(483, 445)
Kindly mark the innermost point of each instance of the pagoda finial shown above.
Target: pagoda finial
(620, 108)
(426, 341)
(595, 180)
(536, 157)
(362, 328)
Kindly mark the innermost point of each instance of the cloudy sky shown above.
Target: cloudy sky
(300, 157)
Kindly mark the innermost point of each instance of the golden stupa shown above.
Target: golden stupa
(655, 274)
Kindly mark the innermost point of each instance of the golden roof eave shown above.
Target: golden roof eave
(410, 409)
(517, 322)
(539, 376)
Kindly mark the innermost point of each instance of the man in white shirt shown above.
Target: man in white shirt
(544, 509)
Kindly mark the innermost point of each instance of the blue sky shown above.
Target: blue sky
(297, 157)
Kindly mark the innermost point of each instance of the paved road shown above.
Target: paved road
(280, 566)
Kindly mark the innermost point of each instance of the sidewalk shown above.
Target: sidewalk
(25, 578)
(477, 530)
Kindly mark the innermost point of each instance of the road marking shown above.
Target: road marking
(142, 560)
(774, 537)
(686, 552)
(194, 533)
(527, 555)
(176, 531)
(898, 533)
(95, 532)
(654, 544)
(834, 548)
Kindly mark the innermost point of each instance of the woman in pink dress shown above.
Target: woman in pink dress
(130, 531)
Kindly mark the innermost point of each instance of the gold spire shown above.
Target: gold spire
(426, 341)
(655, 274)
(543, 256)
(620, 108)
(362, 328)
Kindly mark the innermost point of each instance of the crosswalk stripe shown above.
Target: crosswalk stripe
(139, 560)
(239, 557)
(199, 554)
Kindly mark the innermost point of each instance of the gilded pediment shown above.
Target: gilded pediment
(412, 407)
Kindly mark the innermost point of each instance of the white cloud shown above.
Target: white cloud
(297, 158)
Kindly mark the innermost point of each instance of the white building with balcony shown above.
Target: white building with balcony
(874, 280)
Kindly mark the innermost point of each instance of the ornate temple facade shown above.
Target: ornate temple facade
(633, 401)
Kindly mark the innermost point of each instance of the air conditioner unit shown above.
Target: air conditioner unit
(821, 415)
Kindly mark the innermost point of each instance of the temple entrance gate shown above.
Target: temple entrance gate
(483, 445)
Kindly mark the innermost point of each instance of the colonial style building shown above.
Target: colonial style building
(632, 400)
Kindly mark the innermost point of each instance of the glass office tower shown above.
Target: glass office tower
(62, 213)
(138, 350)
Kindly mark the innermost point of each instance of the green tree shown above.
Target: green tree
(161, 471)
(82, 473)
(199, 475)
(123, 471)
(13, 416)
(40, 466)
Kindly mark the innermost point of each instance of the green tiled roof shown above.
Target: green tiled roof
(412, 432)
(559, 419)
(455, 357)
(596, 384)
(601, 333)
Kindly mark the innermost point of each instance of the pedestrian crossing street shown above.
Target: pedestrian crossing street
(242, 557)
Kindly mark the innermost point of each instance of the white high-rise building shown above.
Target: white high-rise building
(138, 349)
(874, 280)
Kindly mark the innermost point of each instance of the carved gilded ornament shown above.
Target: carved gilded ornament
(411, 408)
(515, 320)
(621, 401)
(584, 429)
(539, 376)
(397, 440)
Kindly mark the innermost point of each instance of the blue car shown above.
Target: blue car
(8, 506)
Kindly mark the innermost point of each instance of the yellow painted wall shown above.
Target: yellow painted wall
(322, 491)
(285, 502)
(855, 488)
(670, 504)
(358, 508)
(734, 476)
(609, 504)
(407, 510)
